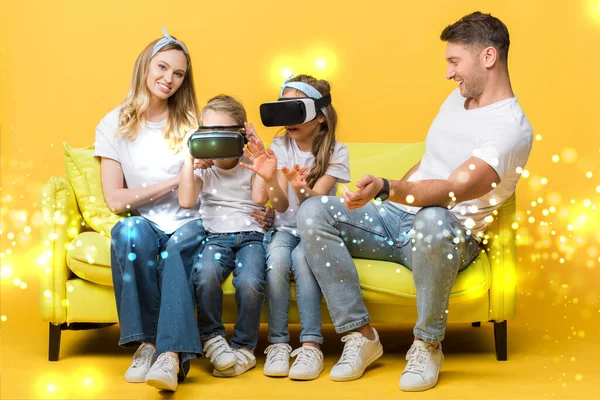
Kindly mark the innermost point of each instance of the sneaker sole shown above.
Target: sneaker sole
(306, 377)
(281, 374)
(223, 374)
(160, 385)
(370, 361)
(136, 379)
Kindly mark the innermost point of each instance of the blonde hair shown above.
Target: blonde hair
(324, 143)
(183, 109)
(228, 105)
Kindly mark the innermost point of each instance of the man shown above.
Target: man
(435, 216)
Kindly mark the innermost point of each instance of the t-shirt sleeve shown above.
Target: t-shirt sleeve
(505, 150)
(105, 138)
(279, 151)
(339, 166)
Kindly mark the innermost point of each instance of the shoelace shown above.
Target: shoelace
(354, 342)
(418, 358)
(278, 352)
(306, 355)
(143, 355)
(214, 347)
(166, 362)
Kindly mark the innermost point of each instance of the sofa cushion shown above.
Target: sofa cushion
(83, 171)
(88, 256)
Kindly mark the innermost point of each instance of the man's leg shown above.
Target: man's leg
(440, 248)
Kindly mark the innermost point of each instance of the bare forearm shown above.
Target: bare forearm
(189, 189)
(277, 196)
(423, 193)
(125, 199)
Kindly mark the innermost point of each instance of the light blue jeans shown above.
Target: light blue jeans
(285, 256)
(432, 243)
(242, 253)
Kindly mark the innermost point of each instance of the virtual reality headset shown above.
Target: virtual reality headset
(292, 111)
(217, 142)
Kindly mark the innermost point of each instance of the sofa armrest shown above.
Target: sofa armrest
(501, 248)
(61, 222)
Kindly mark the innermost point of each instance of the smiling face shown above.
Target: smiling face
(307, 131)
(166, 73)
(465, 67)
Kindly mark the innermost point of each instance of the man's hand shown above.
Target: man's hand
(367, 187)
(264, 217)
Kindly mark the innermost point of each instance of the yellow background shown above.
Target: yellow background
(65, 64)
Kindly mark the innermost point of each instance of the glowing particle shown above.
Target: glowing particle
(450, 256)
(472, 167)
(70, 288)
(10, 235)
(589, 174)
(131, 256)
(47, 293)
(493, 201)
(525, 174)
(320, 63)
(23, 285)
(451, 194)
(410, 199)
(3, 318)
(16, 281)
(324, 199)
(587, 203)
(538, 137)
(555, 158)
(544, 181)
(519, 170)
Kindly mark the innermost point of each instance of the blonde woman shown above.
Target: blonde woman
(140, 144)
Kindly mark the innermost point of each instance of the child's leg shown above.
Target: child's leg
(249, 283)
(308, 298)
(210, 270)
(277, 290)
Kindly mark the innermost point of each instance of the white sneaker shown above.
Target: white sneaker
(163, 374)
(245, 361)
(278, 360)
(140, 365)
(308, 364)
(424, 363)
(359, 352)
(219, 353)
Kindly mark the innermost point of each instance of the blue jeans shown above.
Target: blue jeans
(243, 254)
(432, 243)
(285, 256)
(153, 286)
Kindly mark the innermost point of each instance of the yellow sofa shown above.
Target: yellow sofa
(76, 289)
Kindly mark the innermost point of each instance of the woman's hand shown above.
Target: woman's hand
(264, 217)
(296, 176)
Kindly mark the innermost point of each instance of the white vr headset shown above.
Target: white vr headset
(294, 110)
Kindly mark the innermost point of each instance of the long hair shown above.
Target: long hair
(183, 109)
(324, 143)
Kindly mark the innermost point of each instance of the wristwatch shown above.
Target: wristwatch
(384, 193)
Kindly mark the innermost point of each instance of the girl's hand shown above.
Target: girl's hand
(264, 217)
(296, 176)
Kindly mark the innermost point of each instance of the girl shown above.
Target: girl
(228, 196)
(140, 147)
(311, 163)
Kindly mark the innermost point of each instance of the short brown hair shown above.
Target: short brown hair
(478, 29)
(227, 105)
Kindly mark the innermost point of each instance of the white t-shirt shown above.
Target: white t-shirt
(499, 134)
(226, 199)
(288, 153)
(146, 161)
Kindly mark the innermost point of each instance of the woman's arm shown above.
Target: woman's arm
(189, 185)
(119, 198)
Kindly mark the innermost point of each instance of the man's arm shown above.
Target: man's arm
(472, 179)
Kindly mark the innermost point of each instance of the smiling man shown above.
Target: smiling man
(435, 216)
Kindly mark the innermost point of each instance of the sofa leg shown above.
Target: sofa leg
(54, 342)
(475, 324)
(501, 340)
